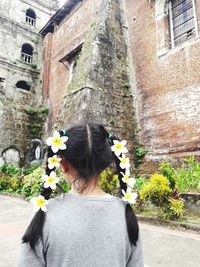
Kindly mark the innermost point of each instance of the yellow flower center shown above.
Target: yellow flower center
(128, 196)
(54, 160)
(50, 180)
(40, 202)
(124, 160)
(118, 146)
(57, 141)
(126, 177)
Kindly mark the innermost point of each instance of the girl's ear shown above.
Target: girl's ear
(64, 165)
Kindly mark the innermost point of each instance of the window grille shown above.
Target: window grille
(30, 17)
(30, 21)
(27, 58)
(27, 53)
(182, 21)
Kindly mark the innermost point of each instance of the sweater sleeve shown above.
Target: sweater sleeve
(136, 257)
(27, 257)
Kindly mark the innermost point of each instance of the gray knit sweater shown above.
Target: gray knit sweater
(83, 231)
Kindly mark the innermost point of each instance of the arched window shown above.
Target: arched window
(23, 85)
(30, 17)
(182, 19)
(27, 53)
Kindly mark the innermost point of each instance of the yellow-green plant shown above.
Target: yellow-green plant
(157, 190)
(174, 209)
(4, 181)
(109, 182)
(16, 183)
(32, 183)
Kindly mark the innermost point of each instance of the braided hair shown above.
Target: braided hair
(89, 153)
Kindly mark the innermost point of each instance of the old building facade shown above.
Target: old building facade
(164, 42)
(20, 79)
(131, 64)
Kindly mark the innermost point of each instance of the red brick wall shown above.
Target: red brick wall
(168, 87)
(65, 38)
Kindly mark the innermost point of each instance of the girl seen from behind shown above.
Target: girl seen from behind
(85, 227)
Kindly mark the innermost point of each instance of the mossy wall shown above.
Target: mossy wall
(99, 90)
(20, 124)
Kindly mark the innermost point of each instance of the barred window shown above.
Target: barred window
(30, 17)
(182, 21)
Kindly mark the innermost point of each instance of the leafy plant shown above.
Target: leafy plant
(168, 171)
(109, 182)
(33, 66)
(32, 183)
(9, 169)
(44, 110)
(157, 190)
(30, 111)
(174, 209)
(139, 182)
(140, 152)
(5, 182)
(16, 183)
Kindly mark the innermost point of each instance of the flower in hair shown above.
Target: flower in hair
(119, 147)
(128, 180)
(51, 180)
(125, 163)
(39, 203)
(129, 195)
(57, 142)
(54, 162)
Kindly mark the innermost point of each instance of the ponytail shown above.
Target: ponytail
(34, 231)
(131, 220)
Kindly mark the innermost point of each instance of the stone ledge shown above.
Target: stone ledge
(169, 223)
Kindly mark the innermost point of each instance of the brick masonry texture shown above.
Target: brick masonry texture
(167, 81)
(99, 89)
(168, 86)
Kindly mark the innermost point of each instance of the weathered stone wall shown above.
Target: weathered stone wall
(69, 35)
(16, 124)
(167, 81)
(99, 90)
(192, 202)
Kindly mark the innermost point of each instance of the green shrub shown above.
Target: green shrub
(109, 182)
(157, 190)
(16, 183)
(5, 182)
(188, 175)
(185, 178)
(27, 171)
(168, 171)
(9, 169)
(139, 182)
(32, 183)
(174, 209)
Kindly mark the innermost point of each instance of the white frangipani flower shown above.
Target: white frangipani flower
(129, 195)
(125, 163)
(54, 162)
(57, 142)
(129, 180)
(39, 203)
(51, 180)
(119, 147)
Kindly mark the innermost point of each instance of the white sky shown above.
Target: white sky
(61, 2)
